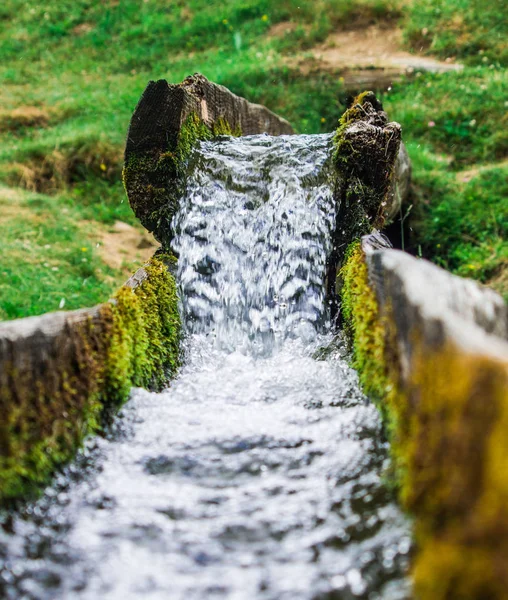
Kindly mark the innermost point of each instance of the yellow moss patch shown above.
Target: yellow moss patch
(448, 428)
(456, 476)
(365, 328)
(47, 412)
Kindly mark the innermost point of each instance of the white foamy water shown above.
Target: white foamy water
(254, 232)
(258, 474)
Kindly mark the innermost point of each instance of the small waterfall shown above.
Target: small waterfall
(254, 231)
(259, 473)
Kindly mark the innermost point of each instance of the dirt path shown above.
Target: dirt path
(121, 245)
(371, 56)
(468, 174)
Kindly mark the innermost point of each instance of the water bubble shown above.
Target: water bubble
(355, 581)
(338, 582)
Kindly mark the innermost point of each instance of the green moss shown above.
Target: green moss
(143, 349)
(358, 110)
(153, 180)
(131, 341)
(193, 130)
(22, 475)
(365, 151)
(366, 330)
(447, 426)
(126, 355)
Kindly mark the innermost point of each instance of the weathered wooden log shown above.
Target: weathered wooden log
(431, 348)
(168, 120)
(373, 168)
(163, 109)
(60, 373)
(372, 174)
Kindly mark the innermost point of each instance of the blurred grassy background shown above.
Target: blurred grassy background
(71, 73)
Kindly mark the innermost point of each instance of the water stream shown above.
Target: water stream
(259, 473)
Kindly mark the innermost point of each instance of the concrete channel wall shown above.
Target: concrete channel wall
(62, 373)
(431, 348)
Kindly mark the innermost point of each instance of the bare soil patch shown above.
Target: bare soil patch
(9, 196)
(123, 246)
(82, 29)
(370, 55)
(467, 175)
(24, 116)
(54, 171)
(279, 30)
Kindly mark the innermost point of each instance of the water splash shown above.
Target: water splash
(254, 232)
(259, 473)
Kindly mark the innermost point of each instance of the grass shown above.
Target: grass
(469, 30)
(72, 72)
(49, 256)
(464, 114)
(455, 127)
(466, 230)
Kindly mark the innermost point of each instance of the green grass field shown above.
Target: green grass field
(72, 72)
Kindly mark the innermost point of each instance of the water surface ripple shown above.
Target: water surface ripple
(259, 473)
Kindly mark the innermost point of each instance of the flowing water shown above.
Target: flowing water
(259, 473)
